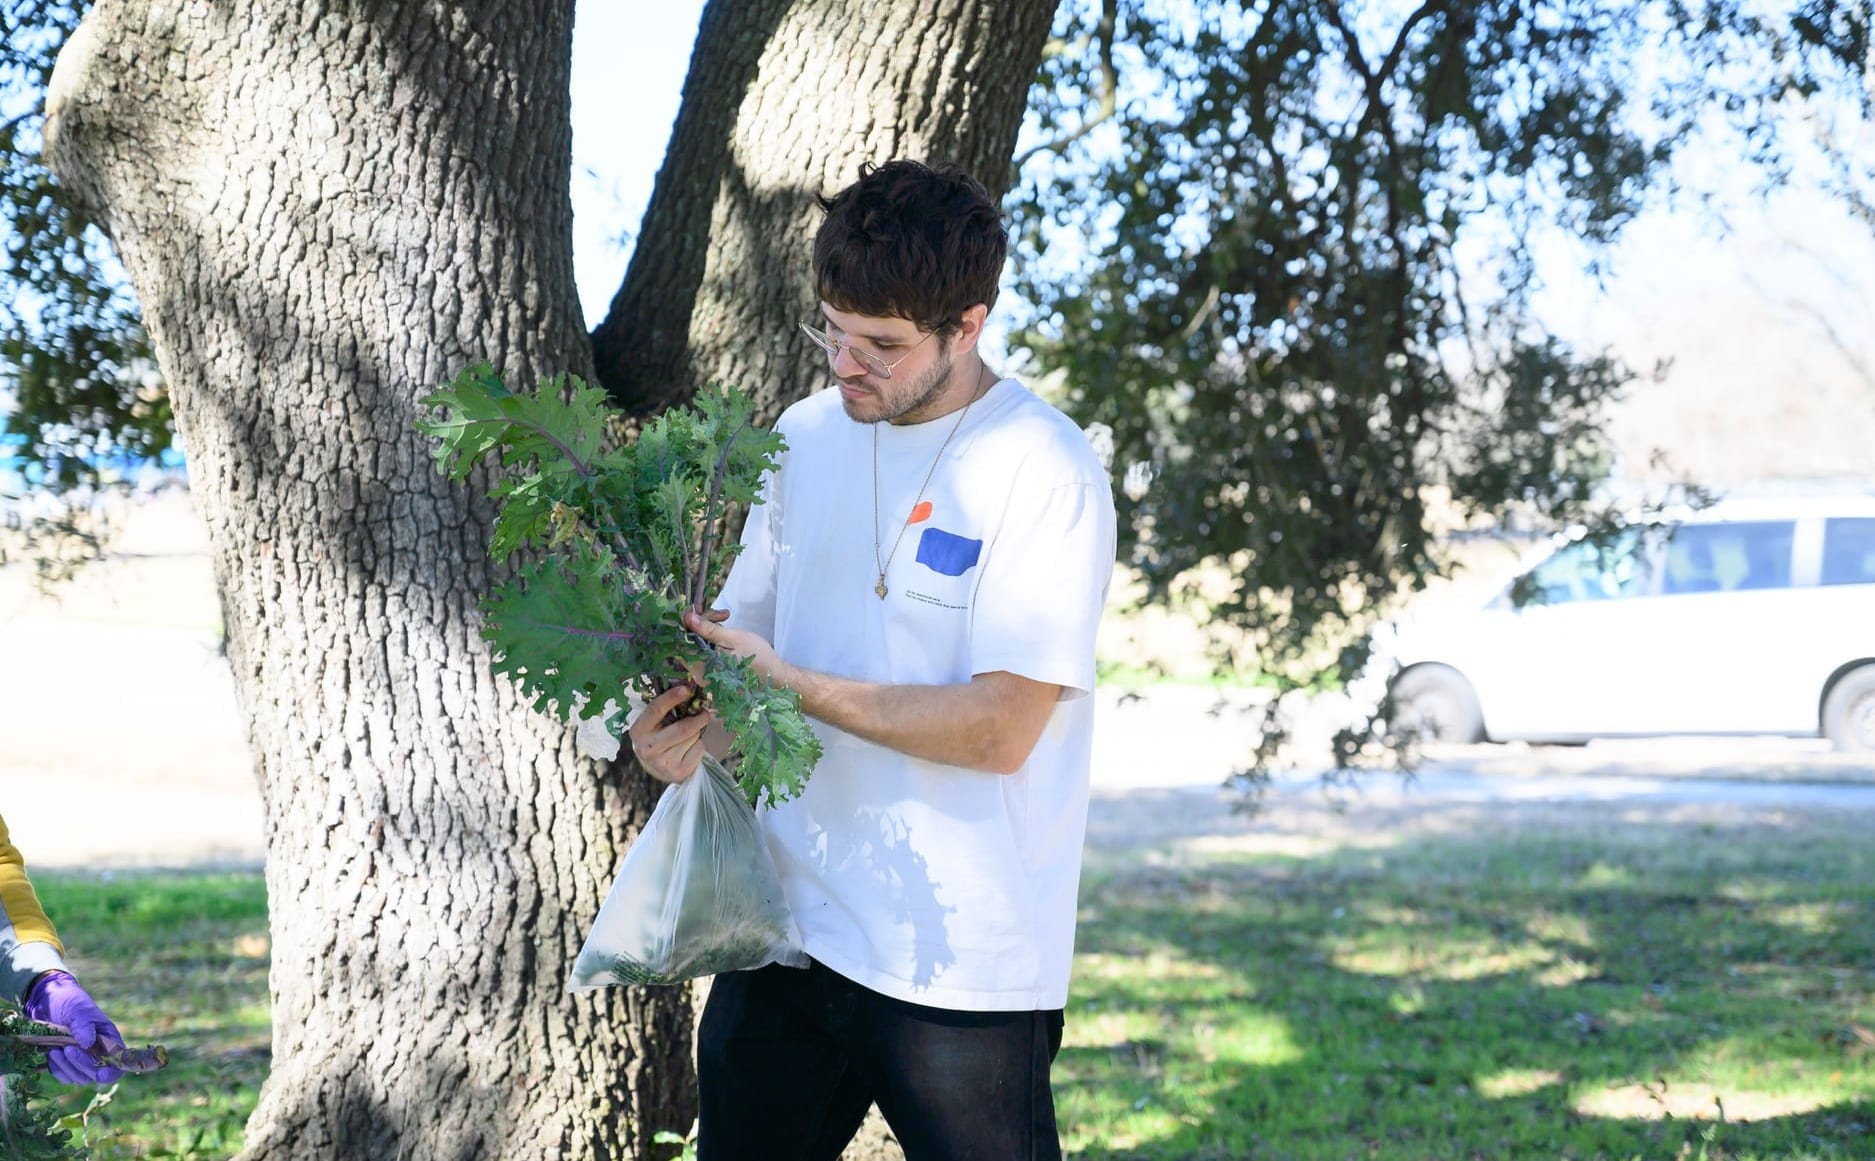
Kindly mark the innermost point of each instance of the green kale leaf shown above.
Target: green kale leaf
(616, 542)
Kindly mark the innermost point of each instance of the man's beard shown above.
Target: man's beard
(898, 400)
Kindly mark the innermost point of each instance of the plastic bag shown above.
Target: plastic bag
(696, 895)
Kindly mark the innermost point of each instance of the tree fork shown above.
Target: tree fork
(783, 102)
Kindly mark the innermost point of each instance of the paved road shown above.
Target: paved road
(1172, 737)
(139, 725)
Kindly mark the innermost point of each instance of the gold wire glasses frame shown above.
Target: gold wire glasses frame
(871, 362)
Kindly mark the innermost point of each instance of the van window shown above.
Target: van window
(1723, 558)
(1849, 551)
(1584, 571)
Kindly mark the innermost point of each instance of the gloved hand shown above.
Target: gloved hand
(56, 998)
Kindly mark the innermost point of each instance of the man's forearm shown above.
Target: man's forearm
(990, 723)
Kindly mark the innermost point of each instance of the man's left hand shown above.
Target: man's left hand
(740, 642)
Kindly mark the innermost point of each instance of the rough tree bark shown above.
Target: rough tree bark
(784, 100)
(327, 209)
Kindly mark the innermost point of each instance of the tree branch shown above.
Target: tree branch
(1392, 60)
(1380, 117)
(1109, 91)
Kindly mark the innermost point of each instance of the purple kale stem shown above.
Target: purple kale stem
(700, 588)
(683, 546)
(585, 470)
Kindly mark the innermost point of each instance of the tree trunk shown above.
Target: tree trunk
(327, 209)
(783, 102)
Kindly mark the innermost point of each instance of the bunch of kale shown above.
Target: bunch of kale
(617, 540)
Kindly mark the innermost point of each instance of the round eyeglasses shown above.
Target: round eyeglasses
(872, 363)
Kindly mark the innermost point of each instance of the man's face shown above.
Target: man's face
(916, 383)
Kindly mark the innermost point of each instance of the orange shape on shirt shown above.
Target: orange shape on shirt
(921, 513)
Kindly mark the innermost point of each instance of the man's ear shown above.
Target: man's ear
(971, 328)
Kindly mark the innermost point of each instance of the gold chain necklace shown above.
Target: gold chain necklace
(880, 588)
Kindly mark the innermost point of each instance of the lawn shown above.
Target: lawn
(1554, 987)
(179, 960)
(1586, 988)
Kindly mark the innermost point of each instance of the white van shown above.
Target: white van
(1748, 617)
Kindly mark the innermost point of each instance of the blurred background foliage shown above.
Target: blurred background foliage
(80, 395)
(74, 357)
(1288, 253)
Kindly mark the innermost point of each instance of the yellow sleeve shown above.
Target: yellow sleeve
(28, 945)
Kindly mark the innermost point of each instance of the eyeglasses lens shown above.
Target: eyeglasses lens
(832, 346)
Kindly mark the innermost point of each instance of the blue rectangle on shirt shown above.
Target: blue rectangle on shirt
(948, 553)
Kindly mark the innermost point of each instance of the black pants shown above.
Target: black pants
(789, 1061)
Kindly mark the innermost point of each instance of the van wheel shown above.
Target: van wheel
(1434, 703)
(1849, 711)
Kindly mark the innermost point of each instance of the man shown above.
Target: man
(32, 971)
(928, 573)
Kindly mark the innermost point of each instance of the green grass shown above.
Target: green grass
(178, 959)
(1505, 995)
(1500, 993)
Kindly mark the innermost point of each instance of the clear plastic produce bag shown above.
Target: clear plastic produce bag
(696, 895)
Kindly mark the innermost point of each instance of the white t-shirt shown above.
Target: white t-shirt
(930, 883)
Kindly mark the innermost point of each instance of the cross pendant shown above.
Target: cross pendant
(880, 588)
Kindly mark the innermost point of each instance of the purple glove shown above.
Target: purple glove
(56, 998)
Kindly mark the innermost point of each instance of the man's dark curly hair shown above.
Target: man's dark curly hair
(909, 240)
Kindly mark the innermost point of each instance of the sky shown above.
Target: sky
(1757, 307)
(629, 62)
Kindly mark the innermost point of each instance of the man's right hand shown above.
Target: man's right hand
(670, 748)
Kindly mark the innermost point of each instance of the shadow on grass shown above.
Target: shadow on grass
(1579, 987)
(1578, 990)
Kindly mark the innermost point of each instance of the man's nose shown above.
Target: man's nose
(851, 361)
